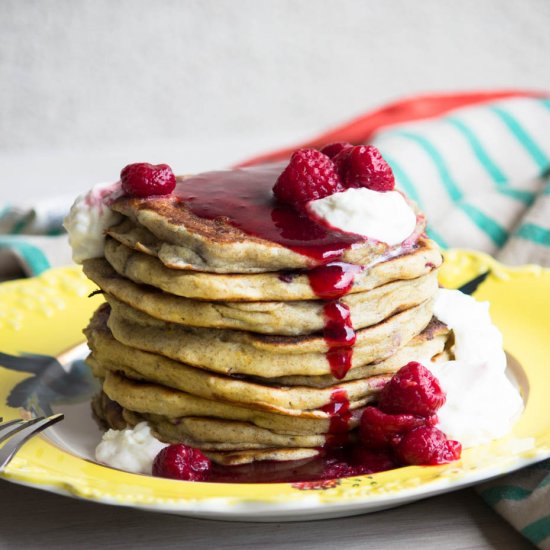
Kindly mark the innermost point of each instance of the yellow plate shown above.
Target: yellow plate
(41, 317)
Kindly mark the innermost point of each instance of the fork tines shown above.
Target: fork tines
(17, 432)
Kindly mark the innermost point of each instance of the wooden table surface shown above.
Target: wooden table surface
(31, 518)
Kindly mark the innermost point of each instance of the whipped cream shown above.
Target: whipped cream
(88, 219)
(132, 449)
(482, 403)
(383, 216)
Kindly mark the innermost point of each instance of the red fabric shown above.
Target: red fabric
(361, 129)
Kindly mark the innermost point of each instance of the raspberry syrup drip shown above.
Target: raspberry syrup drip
(340, 414)
(244, 199)
(330, 282)
(339, 336)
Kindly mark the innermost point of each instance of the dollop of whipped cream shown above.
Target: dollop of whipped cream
(482, 404)
(88, 219)
(383, 216)
(131, 449)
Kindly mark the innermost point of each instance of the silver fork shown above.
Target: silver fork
(19, 432)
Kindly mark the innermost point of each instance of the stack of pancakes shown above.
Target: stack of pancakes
(216, 338)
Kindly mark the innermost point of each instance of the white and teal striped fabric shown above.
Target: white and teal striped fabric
(524, 500)
(481, 175)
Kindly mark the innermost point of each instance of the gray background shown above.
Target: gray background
(87, 84)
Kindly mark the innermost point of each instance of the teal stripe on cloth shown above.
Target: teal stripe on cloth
(19, 225)
(489, 226)
(528, 143)
(435, 236)
(537, 531)
(534, 233)
(404, 180)
(33, 257)
(526, 197)
(494, 495)
(495, 231)
(483, 157)
(55, 231)
(450, 185)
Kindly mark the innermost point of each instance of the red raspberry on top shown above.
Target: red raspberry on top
(332, 149)
(427, 446)
(363, 166)
(144, 180)
(181, 462)
(412, 390)
(310, 175)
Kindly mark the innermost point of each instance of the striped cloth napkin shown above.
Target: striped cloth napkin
(32, 237)
(479, 175)
(478, 164)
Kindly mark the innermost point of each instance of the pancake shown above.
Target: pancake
(433, 343)
(148, 398)
(144, 269)
(207, 240)
(100, 370)
(110, 414)
(226, 435)
(253, 395)
(237, 458)
(238, 352)
(110, 355)
(236, 443)
(284, 318)
(107, 413)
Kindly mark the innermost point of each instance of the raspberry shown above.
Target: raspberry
(412, 390)
(310, 175)
(363, 166)
(143, 179)
(427, 446)
(332, 149)
(340, 161)
(379, 430)
(181, 462)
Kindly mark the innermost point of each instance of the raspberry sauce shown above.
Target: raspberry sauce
(332, 280)
(244, 198)
(319, 472)
(339, 336)
(340, 415)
